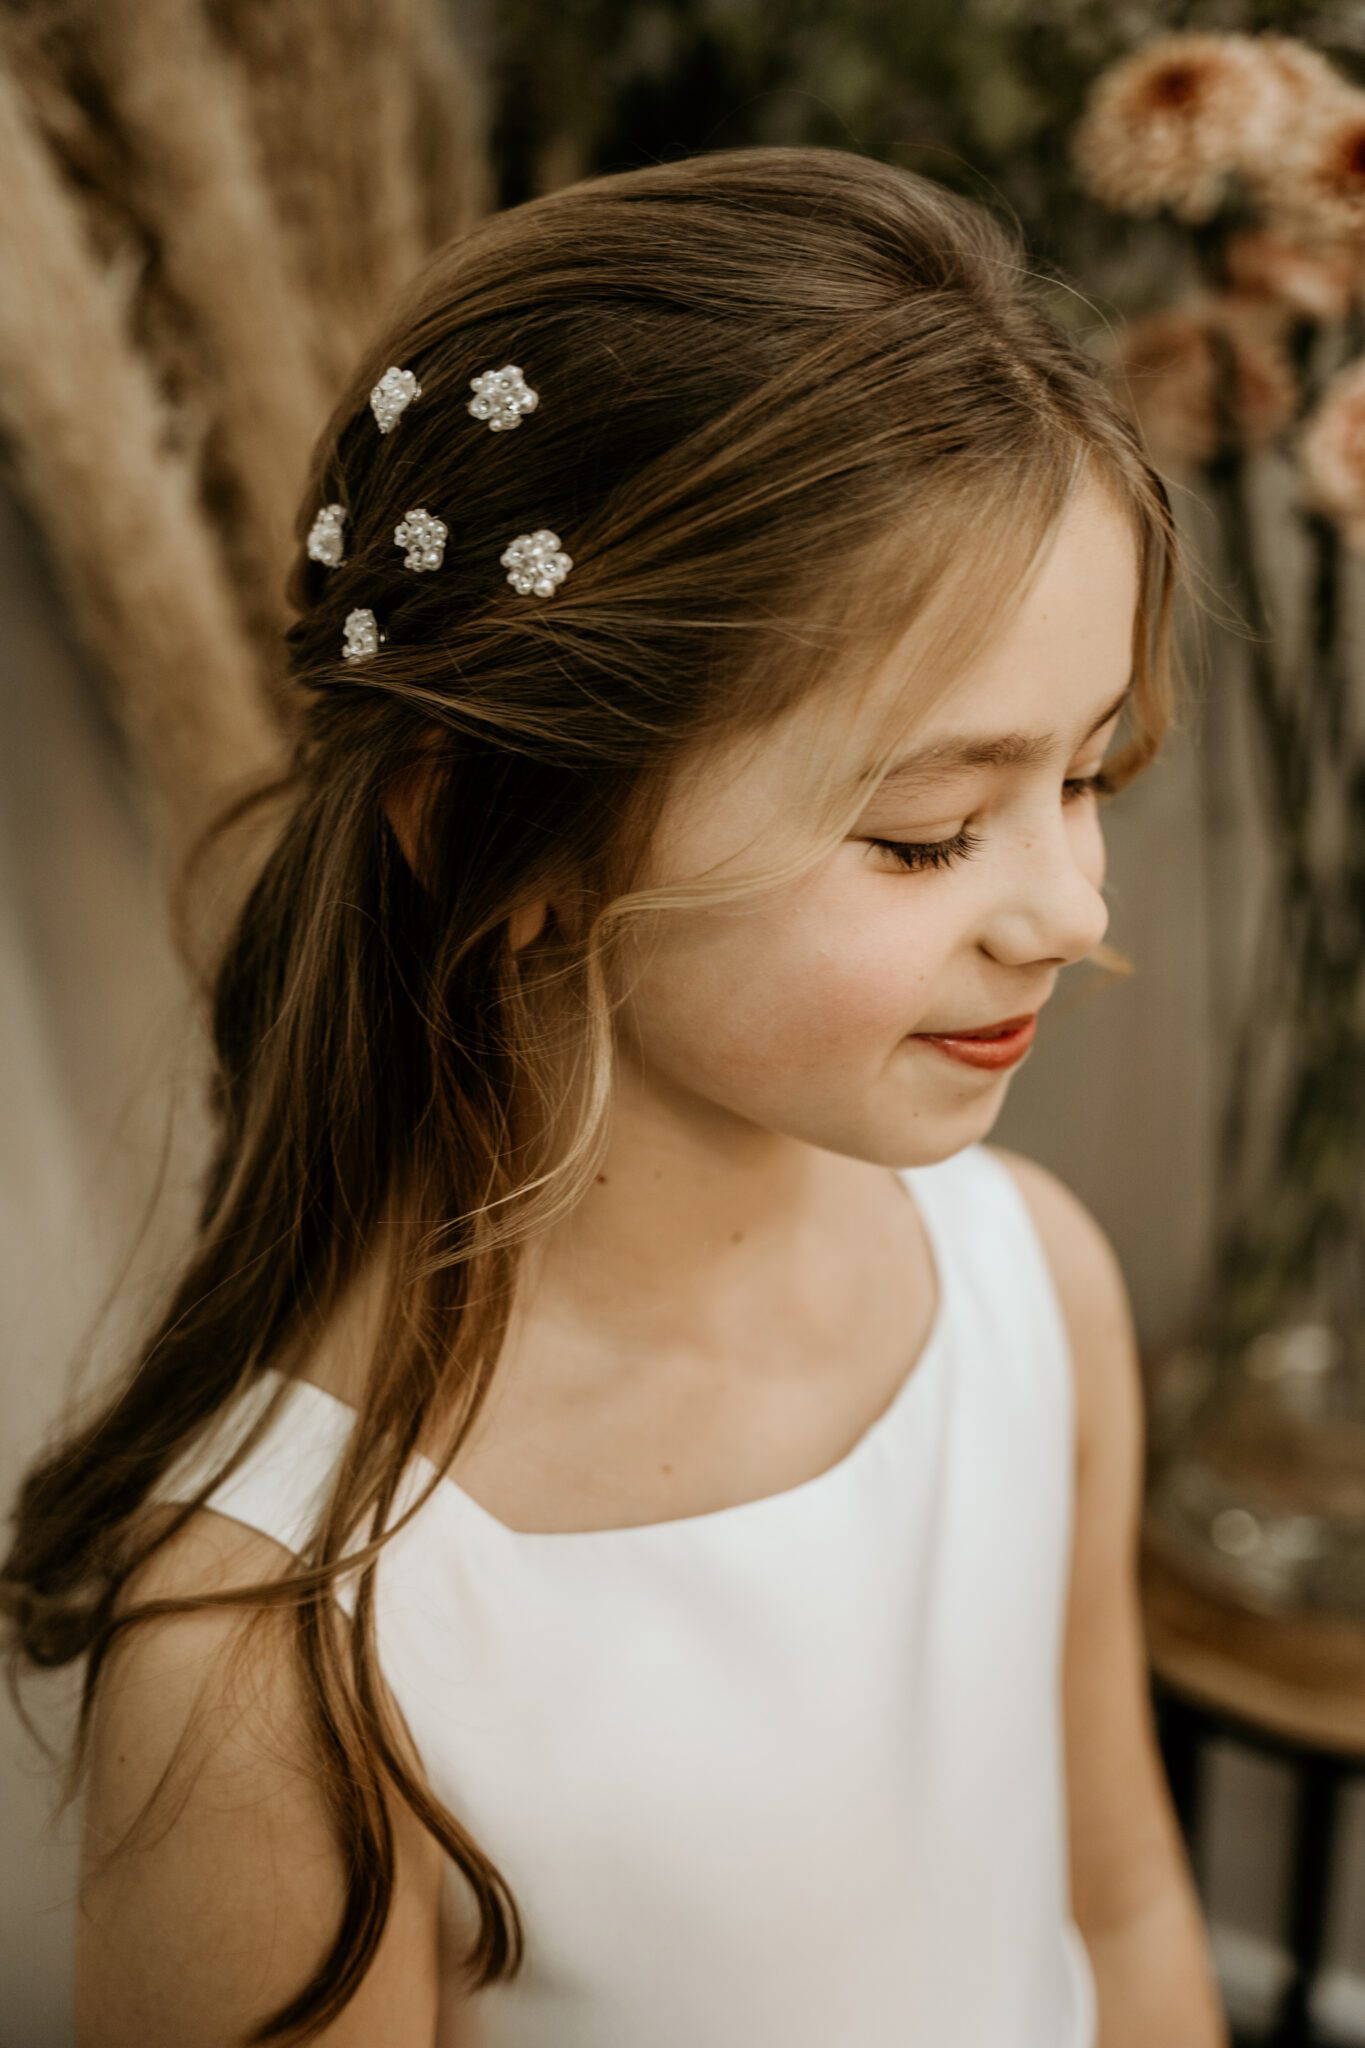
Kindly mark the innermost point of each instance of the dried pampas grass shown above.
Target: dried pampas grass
(371, 140)
(90, 448)
(207, 203)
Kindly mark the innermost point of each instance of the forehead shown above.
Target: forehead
(911, 773)
(1059, 666)
(1035, 686)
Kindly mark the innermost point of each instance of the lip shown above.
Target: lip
(978, 1030)
(1015, 1037)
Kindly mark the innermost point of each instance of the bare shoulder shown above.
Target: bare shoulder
(210, 1886)
(1125, 1843)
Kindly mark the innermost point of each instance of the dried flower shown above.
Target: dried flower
(1170, 362)
(1305, 78)
(1171, 124)
(1316, 280)
(1315, 182)
(1332, 453)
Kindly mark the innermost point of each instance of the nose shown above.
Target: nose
(1052, 906)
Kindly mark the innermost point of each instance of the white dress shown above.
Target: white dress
(784, 1775)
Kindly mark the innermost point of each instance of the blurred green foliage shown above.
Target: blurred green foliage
(980, 94)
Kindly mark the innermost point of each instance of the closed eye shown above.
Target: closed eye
(941, 853)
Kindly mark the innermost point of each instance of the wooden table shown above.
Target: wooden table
(1292, 1688)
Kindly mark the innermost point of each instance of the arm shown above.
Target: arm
(1133, 1894)
(226, 1904)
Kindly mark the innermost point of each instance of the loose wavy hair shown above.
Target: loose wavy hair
(795, 403)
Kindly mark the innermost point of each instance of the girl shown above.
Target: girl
(587, 1557)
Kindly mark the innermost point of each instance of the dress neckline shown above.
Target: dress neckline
(925, 1365)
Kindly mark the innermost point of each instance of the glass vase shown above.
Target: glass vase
(1256, 1482)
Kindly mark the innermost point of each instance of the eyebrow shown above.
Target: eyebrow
(915, 771)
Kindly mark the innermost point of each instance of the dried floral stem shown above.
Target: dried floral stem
(372, 141)
(181, 111)
(333, 115)
(166, 356)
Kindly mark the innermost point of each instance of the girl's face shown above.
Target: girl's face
(796, 1014)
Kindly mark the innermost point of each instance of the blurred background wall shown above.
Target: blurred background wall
(93, 1010)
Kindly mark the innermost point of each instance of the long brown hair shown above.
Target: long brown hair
(792, 400)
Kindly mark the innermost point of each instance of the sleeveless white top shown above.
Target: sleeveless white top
(789, 1772)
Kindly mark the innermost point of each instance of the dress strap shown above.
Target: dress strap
(281, 1484)
(982, 1226)
(977, 1214)
(1033, 1266)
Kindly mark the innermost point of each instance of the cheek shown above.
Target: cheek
(834, 974)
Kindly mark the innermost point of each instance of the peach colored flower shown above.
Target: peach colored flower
(1305, 77)
(1172, 123)
(1316, 280)
(1332, 453)
(1169, 364)
(1315, 182)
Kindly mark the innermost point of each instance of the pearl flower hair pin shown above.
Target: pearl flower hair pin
(535, 562)
(364, 635)
(502, 397)
(324, 536)
(424, 537)
(392, 396)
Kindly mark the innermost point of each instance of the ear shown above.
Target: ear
(404, 803)
(526, 923)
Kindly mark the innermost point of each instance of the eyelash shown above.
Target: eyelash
(941, 853)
